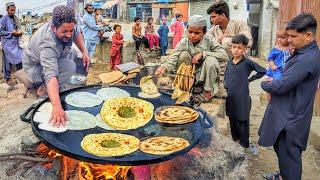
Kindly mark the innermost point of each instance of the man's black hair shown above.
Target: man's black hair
(303, 22)
(219, 8)
(240, 39)
(136, 19)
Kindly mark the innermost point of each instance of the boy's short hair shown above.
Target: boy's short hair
(302, 23)
(240, 39)
(219, 8)
(115, 26)
(149, 18)
(136, 19)
(179, 15)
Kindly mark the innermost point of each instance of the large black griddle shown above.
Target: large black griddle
(68, 143)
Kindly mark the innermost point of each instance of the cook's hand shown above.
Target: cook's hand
(197, 58)
(161, 70)
(16, 33)
(86, 60)
(274, 67)
(58, 116)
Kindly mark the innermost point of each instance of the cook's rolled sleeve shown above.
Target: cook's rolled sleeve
(49, 62)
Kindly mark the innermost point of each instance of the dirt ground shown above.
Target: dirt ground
(12, 131)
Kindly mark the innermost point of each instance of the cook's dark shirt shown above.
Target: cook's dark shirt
(237, 85)
(292, 101)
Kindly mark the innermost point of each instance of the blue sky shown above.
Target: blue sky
(28, 4)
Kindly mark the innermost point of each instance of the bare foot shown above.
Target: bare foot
(41, 91)
(148, 50)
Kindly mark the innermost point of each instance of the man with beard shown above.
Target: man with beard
(48, 61)
(90, 30)
(10, 37)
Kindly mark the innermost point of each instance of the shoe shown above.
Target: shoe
(11, 82)
(253, 149)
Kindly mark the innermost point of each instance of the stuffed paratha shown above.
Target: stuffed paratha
(110, 144)
(176, 114)
(163, 145)
(126, 113)
(83, 99)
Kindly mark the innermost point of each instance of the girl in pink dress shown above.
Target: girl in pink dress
(150, 34)
(177, 29)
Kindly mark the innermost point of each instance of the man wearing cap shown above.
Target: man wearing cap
(90, 29)
(203, 51)
(10, 37)
(48, 61)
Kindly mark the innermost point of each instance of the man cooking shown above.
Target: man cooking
(202, 50)
(48, 61)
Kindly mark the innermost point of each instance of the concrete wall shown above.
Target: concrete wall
(238, 8)
(267, 30)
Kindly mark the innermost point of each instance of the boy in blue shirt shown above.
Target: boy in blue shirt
(163, 33)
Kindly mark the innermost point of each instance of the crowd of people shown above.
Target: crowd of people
(218, 53)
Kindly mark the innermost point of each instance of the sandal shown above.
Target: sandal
(201, 98)
(272, 176)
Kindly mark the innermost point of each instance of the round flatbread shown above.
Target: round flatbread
(163, 145)
(176, 114)
(110, 144)
(126, 113)
(48, 127)
(83, 99)
(46, 107)
(80, 120)
(42, 117)
(148, 96)
(100, 123)
(112, 92)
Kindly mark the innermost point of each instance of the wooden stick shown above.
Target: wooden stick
(19, 153)
(12, 171)
(24, 157)
(33, 167)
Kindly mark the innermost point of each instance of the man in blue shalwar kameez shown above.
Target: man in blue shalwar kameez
(10, 37)
(90, 30)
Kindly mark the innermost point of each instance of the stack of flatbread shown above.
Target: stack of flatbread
(183, 83)
(163, 145)
(148, 88)
(112, 78)
(176, 114)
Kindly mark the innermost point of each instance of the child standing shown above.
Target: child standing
(237, 85)
(177, 29)
(117, 42)
(163, 33)
(279, 54)
(150, 34)
(137, 36)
